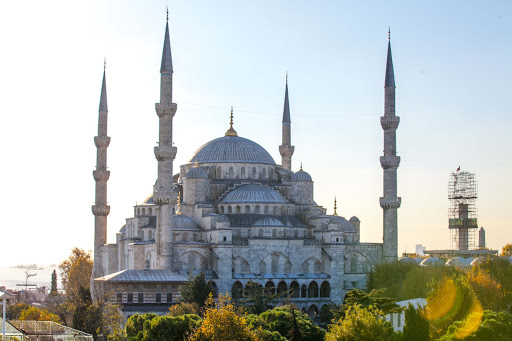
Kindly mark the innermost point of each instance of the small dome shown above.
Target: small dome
(478, 260)
(180, 222)
(223, 219)
(301, 176)
(232, 149)
(254, 194)
(355, 219)
(418, 260)
(456, 261)
(197, 173)
(149, 200)
(468, 261)
(406, 260)
(345, 225)
(268, 221)
(431, 261)
(123, 229)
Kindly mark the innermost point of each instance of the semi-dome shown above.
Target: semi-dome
(268, 221)
(345, 225)
(180, 222)
(431, 261)
(149, 200)
(456, 261)
(253, 194)
(478, 260)
(232, 149)
(354, 219)
(223, 219)
(197, 173)
(301, 176)
(406, 260)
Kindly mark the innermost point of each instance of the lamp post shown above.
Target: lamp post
(3, 296)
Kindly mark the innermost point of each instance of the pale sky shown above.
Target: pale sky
(453, 73)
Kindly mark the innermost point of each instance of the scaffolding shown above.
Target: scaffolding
(48, 331)
(462, 193)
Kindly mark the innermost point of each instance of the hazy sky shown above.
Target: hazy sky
(453, 73)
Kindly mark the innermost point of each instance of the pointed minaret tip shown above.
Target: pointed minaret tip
(335, 207)
(286, 109)
(390, 74)
(103, 97)
(231, 131)
(166, 54)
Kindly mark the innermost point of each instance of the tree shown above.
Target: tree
(176, 328)
(197, 290)
(13, 311)
(499, 269)
(506, 251)
(487, 290)
(416, 326)
(53, 290)
(184, 308)
(223, 322)
(86, 315)
(361, 324)
(135, 325)
(37, 314)
(374, 298)
(494, 326)
(391, 277)
(256, 299)
(76, 272)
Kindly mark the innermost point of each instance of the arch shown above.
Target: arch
(282, 287)
(221, 209)
(211, 172)
(283, 210)
(271, 174)
(262, 267)
(313, 311)
(265, 209)
(150, 235)
(242, 172)
(304, 291)
(185, 237)
(274, 210)
(313, 289)
(254, 173)
(237, 290)
(275, 263)
(218, 173)
(260, 233)
(296, 234)
(247, 209)
(143, 211)
(294, 289)
(150, 211)
(305, 267)
(325, 289)
(241, 266)
(193, 260)
(138, 211)
(274, 233)
(238, 209)
(264, 172)
(214, 287)
(317, 267)
(356, 262)
(287, 267)
(257, 209)
(230, 209)
(270, 288)
(231, 173)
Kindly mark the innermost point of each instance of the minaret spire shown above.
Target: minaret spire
(165, 152)
(286, 149)
(335, 207)
(390, 202)
(231, 131)
(100, 209)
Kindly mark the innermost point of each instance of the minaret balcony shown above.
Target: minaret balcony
(389, 122)
(388, 203)
(101, 175)
(166, 110)
(162, 196)
(100, 210)
(165, 153)
(101, 141)
(286, 150)
(390, 161)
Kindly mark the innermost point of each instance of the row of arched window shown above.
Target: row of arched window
(257, 209)
(311, 265)
(143, 211)
(240, 172)
(283, 232)
(294, 290)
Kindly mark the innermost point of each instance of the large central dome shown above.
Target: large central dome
(231, 149)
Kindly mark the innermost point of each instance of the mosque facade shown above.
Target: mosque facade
(234, 214)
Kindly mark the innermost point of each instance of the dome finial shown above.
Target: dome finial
(335, 207)
(196, 165)
(178, 202)
(231, 131)
(300, 170)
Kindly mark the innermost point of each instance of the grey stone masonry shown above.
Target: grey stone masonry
(390, 162)
(165, 153)
(100, 209)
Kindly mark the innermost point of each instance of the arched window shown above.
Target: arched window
(325, 289)
(274, 210)
(262, 268)
(264, 173)
(218, 175)
(305, 267)
(318, 267)
(244, 268)
(313, 289)
(304, 291)
(230, 210)
(275, 264)
(231, 173)
(353, 264)
(254, 172)
(287, 267)
(238, 209)
(185, 237)
(150, 211)
(283, 210)
(257, 209)
(237, 290)
(274, 233)
(295, 290)
(191, 262)
(296, 234)
(270, 287)
(242, 172)
(265, 210)
(138, 211)
(247, 209)
(281, 287)
(143, 211)
(260, 233)
(150, 235)
(211, 172)
(221, 209)
(271, 174)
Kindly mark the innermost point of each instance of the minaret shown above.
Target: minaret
(389, 162)
(286, 149)
(165, 153)
(100, 209)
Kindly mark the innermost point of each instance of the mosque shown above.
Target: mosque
(237, 216)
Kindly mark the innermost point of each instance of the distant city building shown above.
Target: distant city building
(236, 215)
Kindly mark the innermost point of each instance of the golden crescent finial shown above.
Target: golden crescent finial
(300, 170)
(178, 202)
(196, 165)
(231, 131)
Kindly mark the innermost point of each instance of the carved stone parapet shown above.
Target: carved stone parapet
(165, 153)
(390, 203)
(286, 150)
(312, 242)
(389, 122)
(166, 110)
(101, 210)
(101, 141)
(162, 196)
(390, 161)
(101, 175)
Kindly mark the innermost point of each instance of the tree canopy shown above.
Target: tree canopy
(197, 290)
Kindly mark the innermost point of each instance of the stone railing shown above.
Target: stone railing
(312, 242)
(241, 242)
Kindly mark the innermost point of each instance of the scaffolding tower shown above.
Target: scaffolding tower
(462, 193)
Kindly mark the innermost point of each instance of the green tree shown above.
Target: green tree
(499, 269)
(164, 328)
(13, 311)
(256, 299)
(416, 326)
(196, 290)
(506, 251)
(183, 308)
(494, 326)
(374, 298)
(135, 325)
(390, 276)
(53, 290)
(86, 315)
(361, 324)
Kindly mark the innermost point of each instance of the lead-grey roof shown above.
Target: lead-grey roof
(180, 222)
(248, 220)
(286, 109)
(301, 176)
(268, 221)
(149, 200)
(232, 149)
(390, 75)
(196, 172)
(345, 225)
(253, 193)
(103, 97)
(166, 54)
(156, 276)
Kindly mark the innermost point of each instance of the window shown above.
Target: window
(225, 239)
(119, 297)
(257, 209)
(158, 297)
(254, 172)
(247, 209)
(238, 209)
(242, 172)
(231, 173)
(169, 297)
(140, 297)
(260, 233)
(150, 235)
(130, 297)
(219, 173)
(274, 233)
(230, 210)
